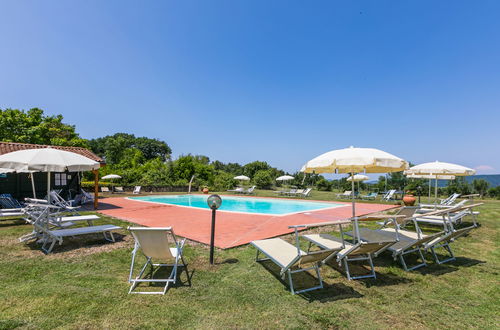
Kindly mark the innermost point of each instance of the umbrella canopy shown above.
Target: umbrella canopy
(354, 160)
(437, 168)
(47, 160)
(285, 178)
(358, 178)
(111, 176)
(6, 170)
(428, 176)
(242, 177)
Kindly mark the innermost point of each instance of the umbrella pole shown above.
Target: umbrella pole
(356, 227)
(33, 184)
(430, 185)
(48, 187)
(436, 192)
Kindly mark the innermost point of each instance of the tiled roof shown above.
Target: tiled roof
(6, 147)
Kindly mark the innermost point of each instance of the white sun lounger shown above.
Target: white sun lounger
(345, 194)
(137, 190)
(389, 195)
(51, 237)
(407, 241)
(448, 216)
(358, 251)
(291, 259)
(154, 243)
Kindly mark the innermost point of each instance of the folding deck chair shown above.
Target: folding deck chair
(154, 243)
(57, 200)
(451, 236)
(43, 228)
(407, 241)
(137, 190)
(389, 195)
(345, 194)
(454, 215)
(357, 251)
(9, 202)
(291, 259)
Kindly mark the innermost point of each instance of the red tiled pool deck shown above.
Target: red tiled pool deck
(232, 229)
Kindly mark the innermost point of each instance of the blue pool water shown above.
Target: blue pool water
(242, 204)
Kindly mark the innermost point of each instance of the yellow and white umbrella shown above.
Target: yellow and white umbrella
(355, 160)
(358, 178)
(439, 170)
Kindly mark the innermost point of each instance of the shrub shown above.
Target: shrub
(263, 179)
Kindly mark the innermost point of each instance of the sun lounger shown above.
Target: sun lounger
(249, 191)
(137, 190)
(105, 190)
(51, 237)
(370, 196)
(154, 243)
(291, 259)
(448, 216)
(407, 241)
(86, 197)
(389, 195)
(351, 252)
(449, 201)
(57, 200)
(345, 194)
(119, 190)
(306, 193)
(237, 190)
(9, 202)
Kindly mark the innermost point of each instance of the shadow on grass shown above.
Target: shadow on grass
(11, 222)
(359, 268)
(227, 261)
(164, 273)
(89, 241)
(303, 280)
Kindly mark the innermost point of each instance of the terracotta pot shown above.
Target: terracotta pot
(409, 200)
(205, 190)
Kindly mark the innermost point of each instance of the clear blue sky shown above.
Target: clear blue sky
(280, 81)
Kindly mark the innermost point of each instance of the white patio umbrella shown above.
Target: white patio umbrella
(47, 160)
(439, 169)
(358, 178)
(354, 160)
(285, 178)
(430, 177)
(242, 178)
(111, 176)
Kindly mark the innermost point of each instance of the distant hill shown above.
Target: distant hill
(493, 180)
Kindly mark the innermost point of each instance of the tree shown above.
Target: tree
(480, 186)
(263, 179)
(323, 184)
(252, 168)
(33, 126)
(112, 147)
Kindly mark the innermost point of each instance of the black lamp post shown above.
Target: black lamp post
(214, 202)
(419, 189)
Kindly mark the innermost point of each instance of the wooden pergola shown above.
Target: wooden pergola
(6, 147)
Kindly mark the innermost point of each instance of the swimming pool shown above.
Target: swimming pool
(271, 206)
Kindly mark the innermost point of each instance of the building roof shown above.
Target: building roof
(6, 147)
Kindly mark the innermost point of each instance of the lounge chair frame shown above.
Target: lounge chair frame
(317, 258)
(172, 278)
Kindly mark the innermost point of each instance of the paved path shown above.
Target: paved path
(232, 229)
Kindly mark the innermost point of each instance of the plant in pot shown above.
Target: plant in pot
(409, 199)
(205, 189)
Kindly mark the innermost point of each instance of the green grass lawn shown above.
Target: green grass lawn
(83, 284)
